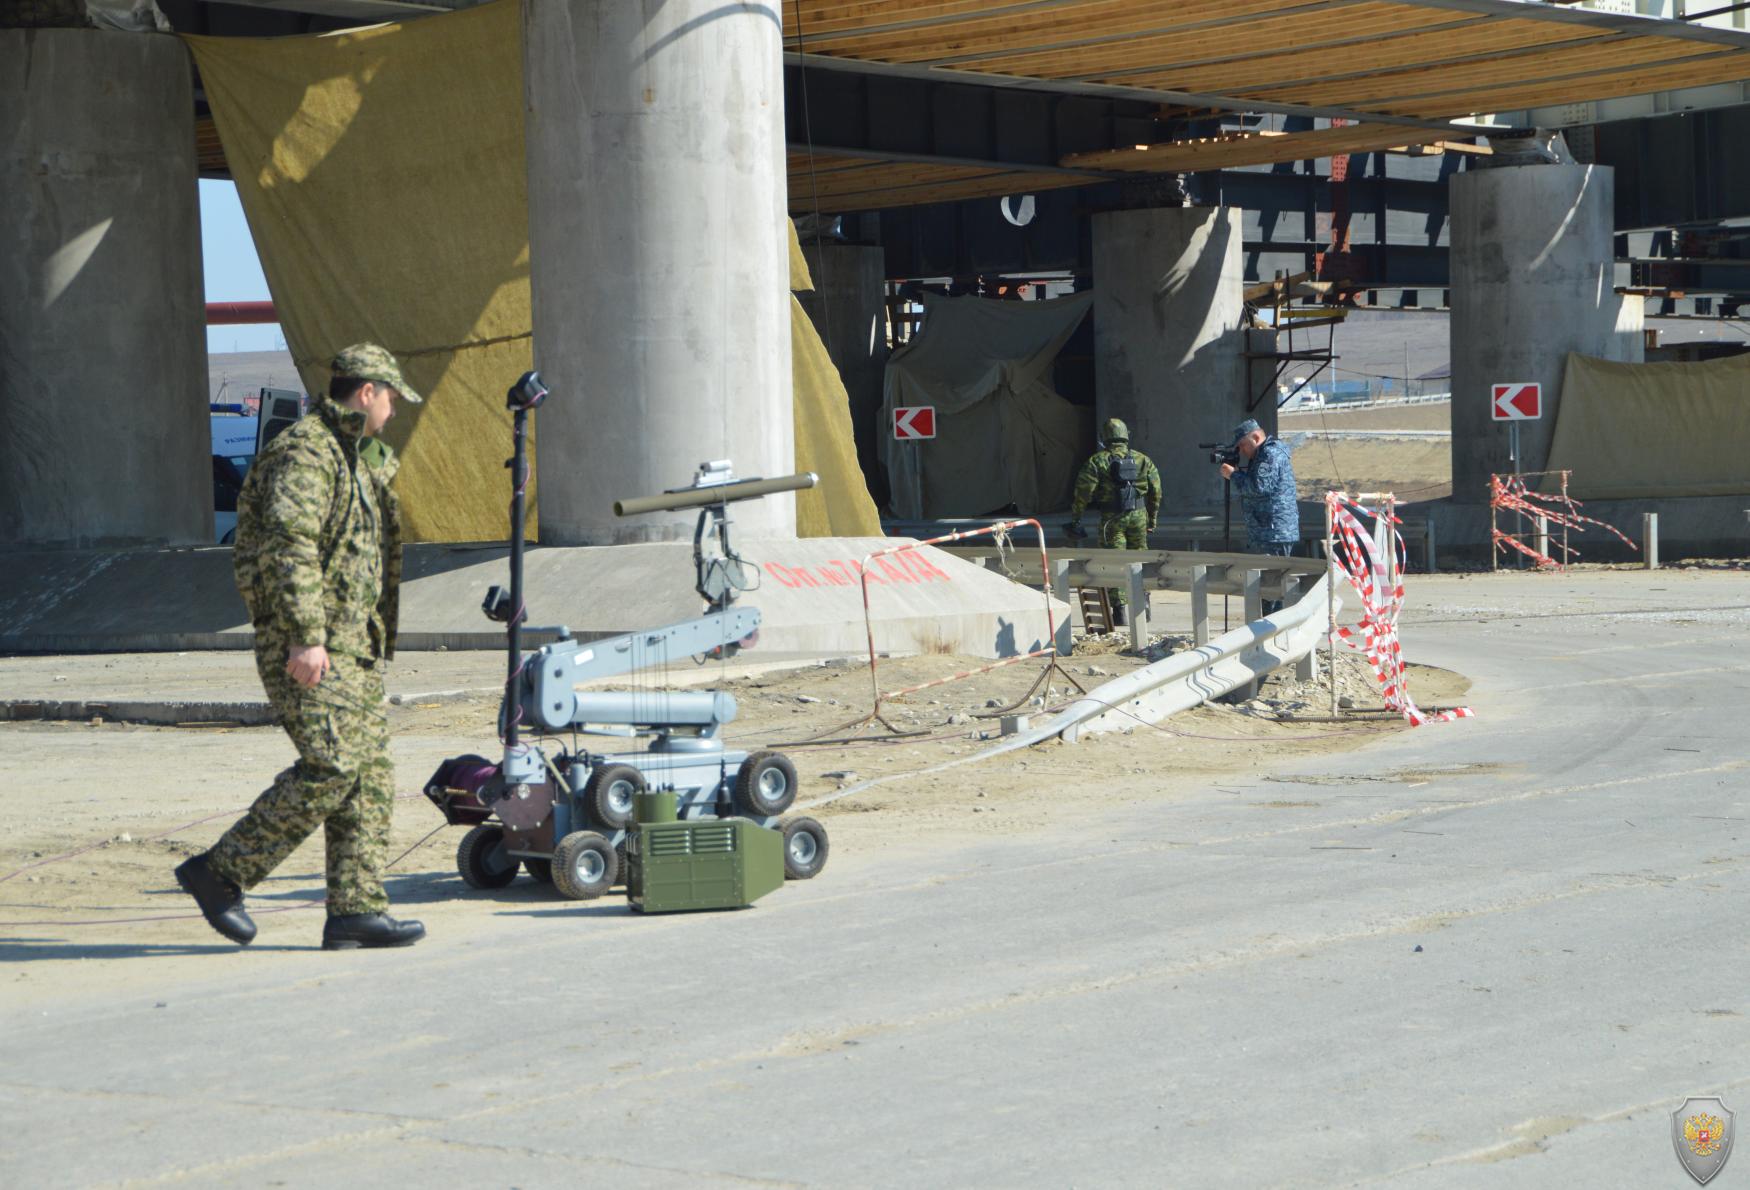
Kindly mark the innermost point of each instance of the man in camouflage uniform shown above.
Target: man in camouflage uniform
(318, 562)
(1126, 487)
(1267, 493)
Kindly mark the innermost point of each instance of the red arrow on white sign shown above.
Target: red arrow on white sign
(1517, 402)
(914, 422)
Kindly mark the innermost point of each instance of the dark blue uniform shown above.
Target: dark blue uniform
(1267, 494)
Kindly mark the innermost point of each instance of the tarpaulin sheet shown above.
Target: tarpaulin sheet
(1634, 431)
(1003, 434)
(382, 173)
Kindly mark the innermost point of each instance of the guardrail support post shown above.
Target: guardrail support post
(1059, 578)
(1138, 607)
(1307, 668)
(1199, 605)
(1650, 540)
(1432, 568)
(1254, 593)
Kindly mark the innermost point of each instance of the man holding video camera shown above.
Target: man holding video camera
(1263, 474)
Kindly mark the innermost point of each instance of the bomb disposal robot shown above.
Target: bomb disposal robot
(570, 816)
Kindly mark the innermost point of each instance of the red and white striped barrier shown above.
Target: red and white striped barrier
(1376, 578)
(1509, 493)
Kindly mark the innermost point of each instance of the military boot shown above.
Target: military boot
(221, 902)
(359, 931)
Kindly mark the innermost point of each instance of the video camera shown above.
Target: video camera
(1221, 452)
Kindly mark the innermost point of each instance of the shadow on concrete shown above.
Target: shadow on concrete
(31, 950)
(412, 889)
(612, 905)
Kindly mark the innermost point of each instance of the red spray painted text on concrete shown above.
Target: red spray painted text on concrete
(908, 568)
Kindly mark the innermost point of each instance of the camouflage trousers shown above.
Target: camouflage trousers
(1124, 531)
(343, 781)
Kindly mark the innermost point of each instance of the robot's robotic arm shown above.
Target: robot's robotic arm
(550, 677)
(544, 695)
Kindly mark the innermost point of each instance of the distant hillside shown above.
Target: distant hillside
(1381, 344)
(240, 372)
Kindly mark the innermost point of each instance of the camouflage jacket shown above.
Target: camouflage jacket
(1096, 485)
(1267, 493)
(318, 555)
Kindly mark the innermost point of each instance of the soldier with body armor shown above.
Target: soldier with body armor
(1124, 485)
(318, 563)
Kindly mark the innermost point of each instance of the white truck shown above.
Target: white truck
(238, 433)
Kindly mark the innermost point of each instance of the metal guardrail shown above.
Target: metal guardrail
(1185, 680)
(1253, 577)
(1193, 531)
(1330, 406)
(1154, 692)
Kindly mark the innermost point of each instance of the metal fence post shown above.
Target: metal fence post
(1254, 592)
(1650, 539)
(1199, 605)
(1059, 578)
(1331, 596)
(1307, 668)
(1138, 607)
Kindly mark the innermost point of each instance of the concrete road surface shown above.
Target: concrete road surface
(1491, 953)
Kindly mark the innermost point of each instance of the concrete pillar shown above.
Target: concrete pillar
(848, 306)
(1532, 280)
(104, 434)
(1169, 351)
(659, 259)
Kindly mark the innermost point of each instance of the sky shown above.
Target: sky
(233, 273)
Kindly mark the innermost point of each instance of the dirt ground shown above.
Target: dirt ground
(131, 801)
(1413, 468)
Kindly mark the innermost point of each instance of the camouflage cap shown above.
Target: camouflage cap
(367, 361)
(1244, 428)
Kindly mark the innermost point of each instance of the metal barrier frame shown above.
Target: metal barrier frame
(1051, 650)
(1540, 556)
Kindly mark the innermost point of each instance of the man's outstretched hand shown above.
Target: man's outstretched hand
(306, 664)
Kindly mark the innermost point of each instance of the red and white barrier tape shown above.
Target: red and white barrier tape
(1510, 493)
(1356, 557)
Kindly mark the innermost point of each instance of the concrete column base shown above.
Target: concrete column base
(1170, 353)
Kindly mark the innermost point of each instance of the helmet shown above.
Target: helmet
(1115, 431)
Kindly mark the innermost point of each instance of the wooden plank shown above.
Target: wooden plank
(209, 152)
(1404, 50)
(1112, 21)
(1719, 68)
(1502, 69)
(1222, 153)
(903, 24)
(1156, 52)
(1091, 46)
(921, 192)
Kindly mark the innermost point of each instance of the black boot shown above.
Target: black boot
(1120, 615)
(221, 901)
(356, 931)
